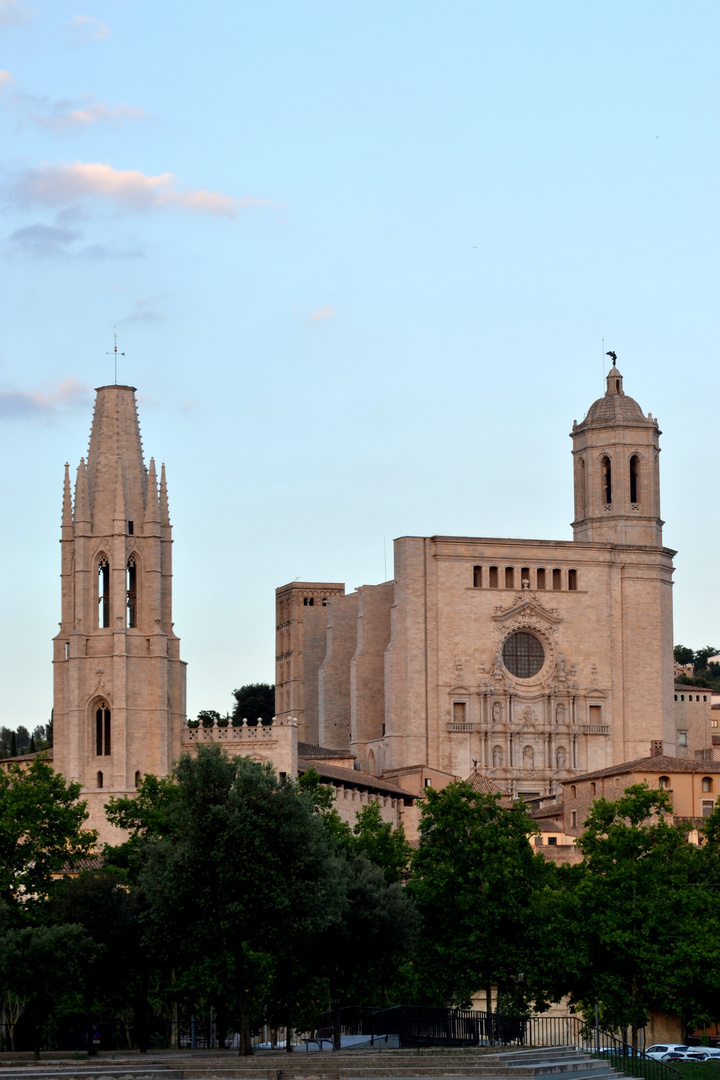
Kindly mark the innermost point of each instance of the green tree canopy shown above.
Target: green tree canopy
(640, 913)
(235, 866)
(473, 877)
(254, 701)
(41, 830)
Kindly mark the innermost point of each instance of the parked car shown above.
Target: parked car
(659, 1050)
(697, 1053)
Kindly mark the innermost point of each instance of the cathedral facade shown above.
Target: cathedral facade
(530, 660)
(119, 682)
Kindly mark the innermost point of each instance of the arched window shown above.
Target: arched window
(606, 475)
(582, 490)
(572, 580)
(509, 577)
(592, 787)
(664, 782)
(707, 784)
(477, 577)
(102, 729)
(541, 578)
(635, 479)
(138, 778)
(99, 779)
(525, 577)
(103, 593)
(131, 585)
(493, 577)
(557, 579)
(573, 791)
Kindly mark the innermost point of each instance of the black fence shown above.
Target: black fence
(423, 1026)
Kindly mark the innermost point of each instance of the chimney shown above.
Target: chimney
(656, 748)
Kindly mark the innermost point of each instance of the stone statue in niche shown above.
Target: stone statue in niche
(496, 712)
(560, 714)
(528, 758)
(497, 756)
(528, 715)
(561, 757)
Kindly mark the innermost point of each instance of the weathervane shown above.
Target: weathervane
(115, 352)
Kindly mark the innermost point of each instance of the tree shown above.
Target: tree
(114, 972)
(380, 843)
(37, 967)
(41, 830)
(638, 913)
(472, 878)
(683, 655)
(234, 868)
(254, 701)
(702, 656)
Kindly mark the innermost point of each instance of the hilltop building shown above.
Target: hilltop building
(535, 659)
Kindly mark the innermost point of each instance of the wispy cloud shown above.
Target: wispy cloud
(68, 117)
(15, 13)
(42, 240)
(84, 28)
(323, 313)
(144, 310)
(45, 404)
(58, 185)
(60, 240)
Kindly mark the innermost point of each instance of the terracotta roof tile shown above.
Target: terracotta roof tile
(664, 764)
(354, 778)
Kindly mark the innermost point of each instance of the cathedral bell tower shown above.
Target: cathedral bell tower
(119, 697)
(617, 486)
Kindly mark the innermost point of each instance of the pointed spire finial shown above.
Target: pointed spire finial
(82, 498)
(67, 518)
(152, 506)
(164, 508)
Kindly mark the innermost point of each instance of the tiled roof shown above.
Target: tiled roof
(484, 785)
(312, 750)
(354, 778)
(28, 757)
(662, 764)
(550, 826)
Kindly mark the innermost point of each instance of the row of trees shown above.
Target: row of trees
(706, 674)
(246, 895)
(22, 741)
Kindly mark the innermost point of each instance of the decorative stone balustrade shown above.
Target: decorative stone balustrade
(275, 742)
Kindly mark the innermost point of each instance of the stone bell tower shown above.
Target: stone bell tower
(617, 484)
(119, 698)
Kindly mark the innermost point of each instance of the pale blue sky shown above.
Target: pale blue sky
(361, 257)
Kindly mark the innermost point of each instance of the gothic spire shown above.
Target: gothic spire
(67, 518)
(115, 445)
(164, 508)
(152, 507)
(82, 500)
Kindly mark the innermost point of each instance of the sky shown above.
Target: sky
(362, 258)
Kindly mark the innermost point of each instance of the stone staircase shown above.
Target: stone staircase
(481, 1063)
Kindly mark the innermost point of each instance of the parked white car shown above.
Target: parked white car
(659, 1050)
